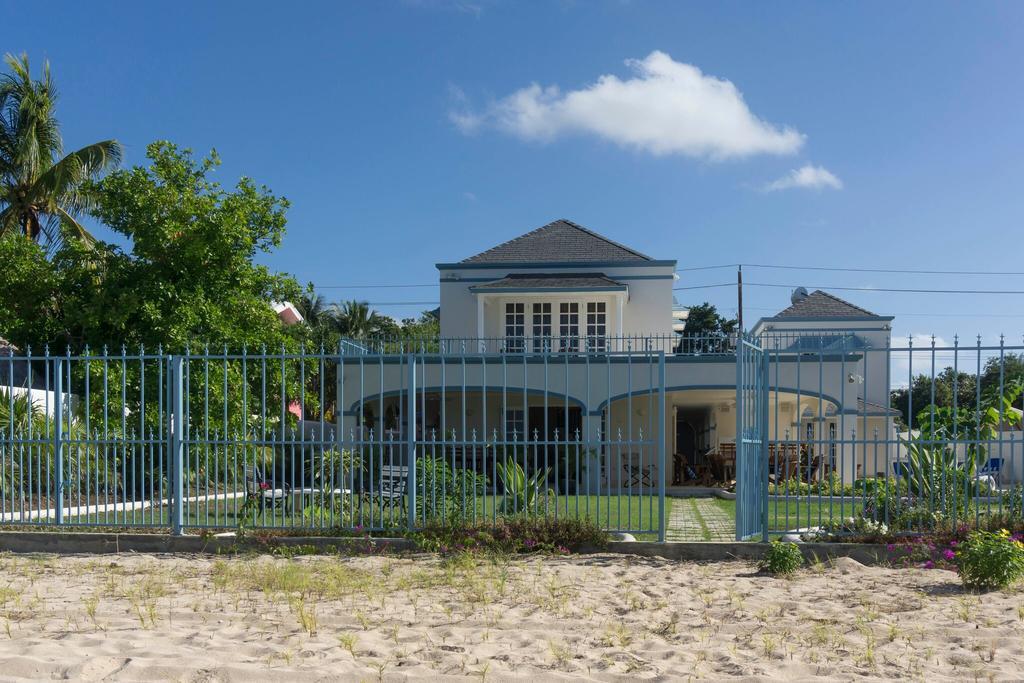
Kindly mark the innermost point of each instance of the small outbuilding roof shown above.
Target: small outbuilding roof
(819, 304)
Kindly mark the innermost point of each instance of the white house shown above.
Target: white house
(558, 334)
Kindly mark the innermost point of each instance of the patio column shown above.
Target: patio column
(591, 439)
(620, 300)
(482, 345)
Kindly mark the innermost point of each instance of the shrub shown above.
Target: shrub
(513, 535)
(524, 494)
(446, 494)
(988, 560)
(855, 529)
(781, 559)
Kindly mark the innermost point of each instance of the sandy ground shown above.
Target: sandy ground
(603, 617)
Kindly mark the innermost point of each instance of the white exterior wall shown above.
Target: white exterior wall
(874, 365)
(646, 308)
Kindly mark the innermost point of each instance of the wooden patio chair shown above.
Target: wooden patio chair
(272, 493)
(391, 487)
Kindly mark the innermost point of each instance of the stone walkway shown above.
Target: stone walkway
(698, 519)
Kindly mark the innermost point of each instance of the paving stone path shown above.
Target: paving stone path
(685, 521)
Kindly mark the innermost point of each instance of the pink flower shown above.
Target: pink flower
(929, 565)
(949, 555)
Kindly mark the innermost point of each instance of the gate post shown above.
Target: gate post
(661, 446)
(740, 460)
(58, 437)
(411, 440)
(177, 424)
(763, 456)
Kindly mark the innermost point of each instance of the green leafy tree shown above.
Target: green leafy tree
(426, 327)
(1008, 369)
(29, 310)
(42, 191)
(704, 320)
(920, 394)
(191, 276)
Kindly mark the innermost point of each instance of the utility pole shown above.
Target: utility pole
(739, 298)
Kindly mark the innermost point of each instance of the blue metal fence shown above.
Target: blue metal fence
(839, 433)
(901, 437)
(751, 440)
(368, 437)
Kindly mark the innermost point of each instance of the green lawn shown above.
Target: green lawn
(638, 514)
(797, 513)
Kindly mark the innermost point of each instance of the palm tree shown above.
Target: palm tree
(356, 320)
(316, 312)
(320, 320)
(42, 192)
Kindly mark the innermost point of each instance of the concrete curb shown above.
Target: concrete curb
(102, 543)
(865, 553)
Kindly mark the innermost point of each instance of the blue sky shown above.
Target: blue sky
(407, 133)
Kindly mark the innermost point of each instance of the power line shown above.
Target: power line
(839, 269)
(885, 270)
(401, 303)
(749, 265)
(926, 315)
(864, 289)
(724, 265)
(433, 284)
(721, 284)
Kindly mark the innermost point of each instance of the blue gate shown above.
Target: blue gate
(751, 440)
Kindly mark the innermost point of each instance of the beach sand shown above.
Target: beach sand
(604, 617)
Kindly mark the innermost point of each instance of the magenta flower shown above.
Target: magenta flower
(949, 555)
(929, 565)
(890, 547)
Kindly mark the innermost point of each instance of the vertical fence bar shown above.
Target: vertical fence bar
(411, 441)
(660, 408)
(741, 509)
(762, 451)
(178, 428)
(58, 438)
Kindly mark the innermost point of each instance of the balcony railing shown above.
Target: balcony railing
(539, 346)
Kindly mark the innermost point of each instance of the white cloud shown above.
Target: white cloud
(667, 107)
(900, 357)
(807, 176)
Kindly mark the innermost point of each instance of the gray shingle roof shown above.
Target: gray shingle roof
(819, 304)
(580, 281)
(559, 241)
(875, 408)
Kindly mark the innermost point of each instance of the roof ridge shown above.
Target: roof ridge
(555, 225)
(601, 237)
(842, 301)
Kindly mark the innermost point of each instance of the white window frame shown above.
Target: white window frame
(515, 424)
(569, 326)
(597, 325)
(541, 326)
(515, 326)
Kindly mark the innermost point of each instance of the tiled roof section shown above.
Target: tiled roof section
(875, 408)
(819, 304)
(552, 281)
(560, 241)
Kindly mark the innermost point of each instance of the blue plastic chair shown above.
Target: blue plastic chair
(900, 469)
(992, 467)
